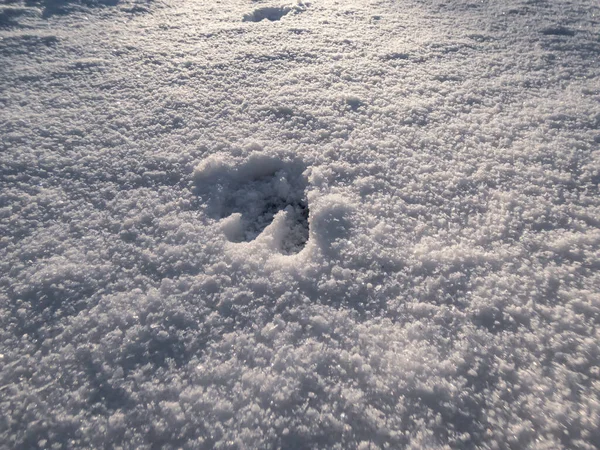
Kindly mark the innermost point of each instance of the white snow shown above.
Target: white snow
(264, 224)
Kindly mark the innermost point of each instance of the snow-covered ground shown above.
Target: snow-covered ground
(338, 224)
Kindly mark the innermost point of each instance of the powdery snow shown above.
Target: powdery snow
(360, 224)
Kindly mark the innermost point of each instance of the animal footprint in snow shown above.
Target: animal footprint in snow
(274, 13)
(261, 197)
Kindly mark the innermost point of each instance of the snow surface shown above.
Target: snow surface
(336, 224)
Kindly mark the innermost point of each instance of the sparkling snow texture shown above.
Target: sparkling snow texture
(329, 224)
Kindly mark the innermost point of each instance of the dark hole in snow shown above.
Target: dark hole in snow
(260, 200)
(395, 55)
(297, 235)
(354, 103)
(558, 31)
(272, 13)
